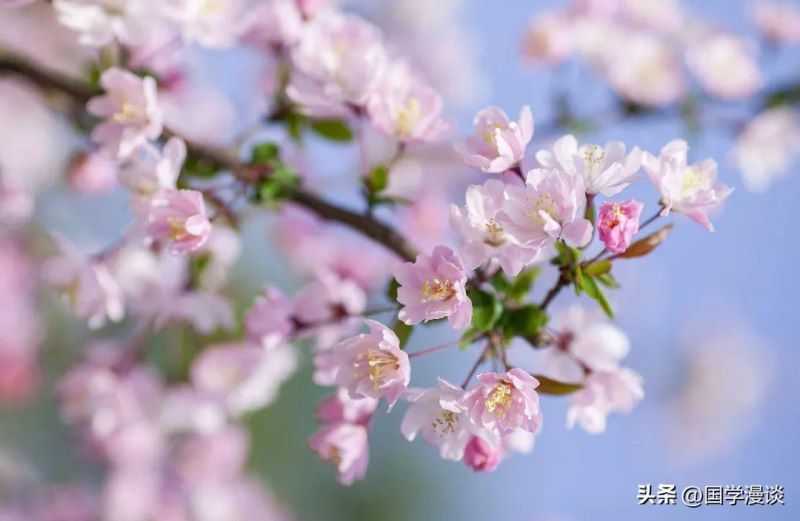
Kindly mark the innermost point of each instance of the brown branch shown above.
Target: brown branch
(369, 226)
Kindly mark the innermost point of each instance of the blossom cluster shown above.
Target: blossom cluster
(171, 440)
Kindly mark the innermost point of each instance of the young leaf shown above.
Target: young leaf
(332, 129)
(554, 387)
(525, 321)
(591, 288)
(521, 286)
(403, 332)
(596, 268)
(391, 291)
(264, 153)
(486, 310)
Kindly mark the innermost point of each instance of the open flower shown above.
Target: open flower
(434, 287)
(605, 170)
(179, 218)
(405, 107)
(346, 447)
(503, 403)
(270, 314)
(368, 365)
(689, 189)
(99, 22)
(441, 418)
(779, 21)
(603, 393)
(498, 143)
(617, 223)
(343, 408)
(549, 207)
(724, 66)
(483, 238)
(153, 171)
(131, 112)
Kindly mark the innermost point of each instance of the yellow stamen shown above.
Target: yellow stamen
(445, 423)
(499, 400)
(408, 116)
(376, 365)
(437, 290)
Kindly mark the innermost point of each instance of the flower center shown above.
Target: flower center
(377, 365)
(693, 181)
(177, 228)
(489, 136)
(445, 423)
(127, 113)
(437, 289)
(545, 204)
(494, 233)
(499, 400)
(614, 219)
(408, 115)
(593, 159)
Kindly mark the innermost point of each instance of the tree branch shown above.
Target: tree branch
(369, 226)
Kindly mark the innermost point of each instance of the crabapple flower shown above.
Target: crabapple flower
(498, 143)
(584, 342)
(482, 456)
(549, 207)
(93, 173)
(549, 39)
(131, 112)
(343, 408)
(339, 61)
(403, 106)
(345, 446)
(153, 171)
(779, 21)
(483, 238)
(604, 393)
(434, 287)
(276, 22)
(767, 146)
(209, 23)
(87, 283)
(617, 223)
(441, 418)
(724, 66)
(689, 189)
(99, 22)
(368, 365)
(270, 314)
(245, 376)
(605, 170)
(179, 218)
(503, 403)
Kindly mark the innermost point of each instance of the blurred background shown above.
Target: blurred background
(712, 317)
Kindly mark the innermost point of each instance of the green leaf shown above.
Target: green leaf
(278, 185)
(554, 387)
(378, 179)
(607, 280)
(403, 332)
(332, 129)
(644, 246)
(264, 153)
(566, 254)
(197, 167)
(500, 282)
(391, 290)
(519, 288)
(294, 126)
(593, 290)
(525, 321)
(486, 310)
(596, 268)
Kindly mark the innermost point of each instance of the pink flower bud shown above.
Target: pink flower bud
(481, 456)
(617, 223)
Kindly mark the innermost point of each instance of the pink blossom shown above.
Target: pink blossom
(645, 69)
(345, 446)
(483, 238)
(100, 22)
(178, 217)
(498, 143)
(767, 146)
(245, 376)
(16, 201)
(93, 173)
(368, 365)
(208, 23)
(326, 307)
(689, 189)
(339, 61)
(548, 208)
(131, 111)
(275, 22)
(779, 21)
(405, 107)
(724, 66)
(434, 287)
(617, 223)
(87, 284)
(584, 342)
(605, 170)
(548, 39)
(442, 419)
(482, 456)
(502, 403)
(270, 314)
(604, 393)
(343, 408)
(152, 171)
